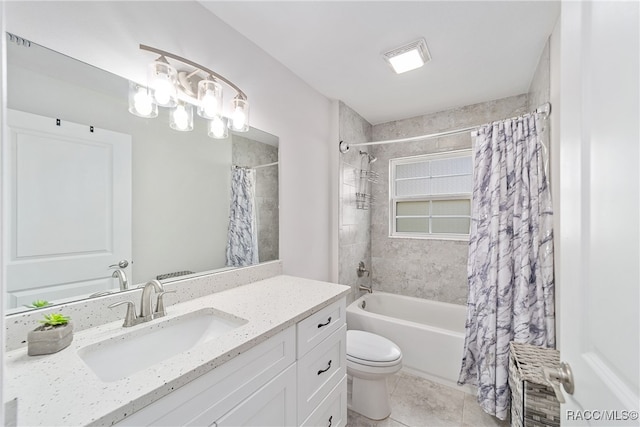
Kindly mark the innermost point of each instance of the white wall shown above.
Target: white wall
(107, 35)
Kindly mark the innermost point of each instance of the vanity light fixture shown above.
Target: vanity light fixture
(218, 128)
(408, 57)
(141, 101)
(181, 117)
(162, 81)
(183, 91)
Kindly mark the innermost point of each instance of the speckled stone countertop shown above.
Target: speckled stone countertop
(59, 389)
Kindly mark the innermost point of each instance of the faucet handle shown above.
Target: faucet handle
(160, 311)
(129, 318)
(100, 294)
(362, 269)
(122, 264)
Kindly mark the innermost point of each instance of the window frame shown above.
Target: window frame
(393, 199)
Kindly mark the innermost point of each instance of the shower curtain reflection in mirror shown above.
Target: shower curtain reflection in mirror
(242, 242)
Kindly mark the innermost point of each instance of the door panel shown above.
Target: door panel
(62, 195)
(68, 213)
(598, 270)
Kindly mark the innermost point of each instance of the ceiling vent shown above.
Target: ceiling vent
(408, 57)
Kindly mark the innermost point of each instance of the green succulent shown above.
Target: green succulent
(39, 303)
(55, 319)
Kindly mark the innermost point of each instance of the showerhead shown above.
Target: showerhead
(369, 156)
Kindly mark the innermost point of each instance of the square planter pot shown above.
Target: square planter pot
(49, 341)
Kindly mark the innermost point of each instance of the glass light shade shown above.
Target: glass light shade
(162, 81)
(239, 121)
(181, 117)
(209, 99)
(218, 128)
(141, 101)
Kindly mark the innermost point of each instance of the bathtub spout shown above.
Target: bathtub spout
(366, 288)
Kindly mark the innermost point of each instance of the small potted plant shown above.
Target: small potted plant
(55, 333)
(39, 303)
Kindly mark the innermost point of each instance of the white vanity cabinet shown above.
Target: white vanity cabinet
(247, 377)
(297, 377)
(321, 367)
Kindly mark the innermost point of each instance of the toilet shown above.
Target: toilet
(370, 360)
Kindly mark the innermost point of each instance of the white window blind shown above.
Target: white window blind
(430, 195)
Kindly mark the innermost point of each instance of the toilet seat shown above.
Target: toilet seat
(365, 348)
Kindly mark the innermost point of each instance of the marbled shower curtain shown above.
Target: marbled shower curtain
(242, 241)
(510, 264)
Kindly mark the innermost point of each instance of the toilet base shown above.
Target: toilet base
(371, 398)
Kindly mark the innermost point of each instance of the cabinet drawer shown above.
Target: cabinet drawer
(320, 370)
(332, 412)
(215, 393)
(273, 405)
(318, 326)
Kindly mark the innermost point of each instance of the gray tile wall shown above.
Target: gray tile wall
(431, 269)
(355, 224)
(247, 152)
(539, 90)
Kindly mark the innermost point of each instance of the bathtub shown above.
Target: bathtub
(429, 333)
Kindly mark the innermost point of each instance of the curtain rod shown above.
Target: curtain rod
(544, 109)
(255, 167)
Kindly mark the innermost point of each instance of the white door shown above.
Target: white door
(598, 279)
(67, 208)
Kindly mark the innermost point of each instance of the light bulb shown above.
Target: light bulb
(210, 104)
(162, 89)
(142, 102)
(181, 118)
(239, 118)
(217, 128)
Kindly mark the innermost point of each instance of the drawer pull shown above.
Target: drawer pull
(322, 371)
(320, 325)
(330, 419)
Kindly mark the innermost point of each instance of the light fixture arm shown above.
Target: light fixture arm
(163, 53)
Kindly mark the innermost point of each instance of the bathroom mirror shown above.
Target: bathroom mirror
(90, 185)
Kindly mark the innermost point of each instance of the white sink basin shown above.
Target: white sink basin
(154, 342)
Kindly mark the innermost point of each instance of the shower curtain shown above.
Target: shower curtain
(510, 264)
(242, 241)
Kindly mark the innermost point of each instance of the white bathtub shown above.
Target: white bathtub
(429, 333)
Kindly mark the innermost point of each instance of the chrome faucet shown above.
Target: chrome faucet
(146, 306)
(366, 288)
(122, 279)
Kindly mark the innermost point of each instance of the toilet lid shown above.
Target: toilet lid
(370, 347)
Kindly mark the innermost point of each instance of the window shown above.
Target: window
(430, 196)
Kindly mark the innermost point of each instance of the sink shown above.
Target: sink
(151, 343)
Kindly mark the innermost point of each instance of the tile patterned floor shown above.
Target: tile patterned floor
(417, 402)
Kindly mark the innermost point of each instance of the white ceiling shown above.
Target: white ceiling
(481, 50)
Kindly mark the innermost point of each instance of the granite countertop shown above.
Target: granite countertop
(59, 389)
